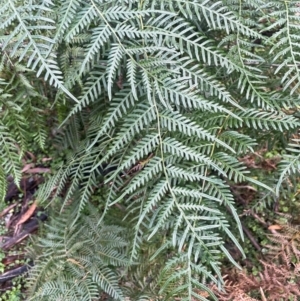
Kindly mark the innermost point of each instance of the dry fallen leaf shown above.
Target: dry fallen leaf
(46, 159)
(38, 170)
(6, 210)
(27, 167)
(275, 227)
(27, 215)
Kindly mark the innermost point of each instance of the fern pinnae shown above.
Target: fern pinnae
(242, 143)
(289, 165)
(159, 191)
(217, 17)
(90, 258)
(153, 167)
(254, 93)
(67, 15)
(38, 56)
(120, 105)
(162, 99)
(100, 36)
(252, 118)
(90, 93)
(145, 146)
(209, 56)
(189, 175)
(170, 145)
(290, 53)
(166, 209)
(194, 194)
(175, 121)
(205, 80)
(232, 167)
(11, 163)
(85, 193)
(186, 97)
(83, 19)
(128, 131)
(170, 275)
(131, 69)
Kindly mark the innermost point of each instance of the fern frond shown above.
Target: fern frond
(174, 121)
(286, 46)
(169, 95)
(10, 157)
(289, 165)
(84, 267)
(178, 277)
(100, 36)
(27, 37)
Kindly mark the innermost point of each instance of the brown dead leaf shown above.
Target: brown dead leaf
(6, 210)
(46, 159)
(31, 155)
(263, 297)
(27, 215)
(38, 170)
(275, 227)
(27, 167)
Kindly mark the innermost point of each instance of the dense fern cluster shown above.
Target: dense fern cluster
(155, 102)
(77, 261)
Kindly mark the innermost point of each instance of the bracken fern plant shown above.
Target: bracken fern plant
(154, 102)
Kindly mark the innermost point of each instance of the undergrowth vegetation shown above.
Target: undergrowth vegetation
(155, 105)
(280, 269)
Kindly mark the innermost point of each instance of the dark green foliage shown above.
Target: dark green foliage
(168, 95)
(77, 261)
